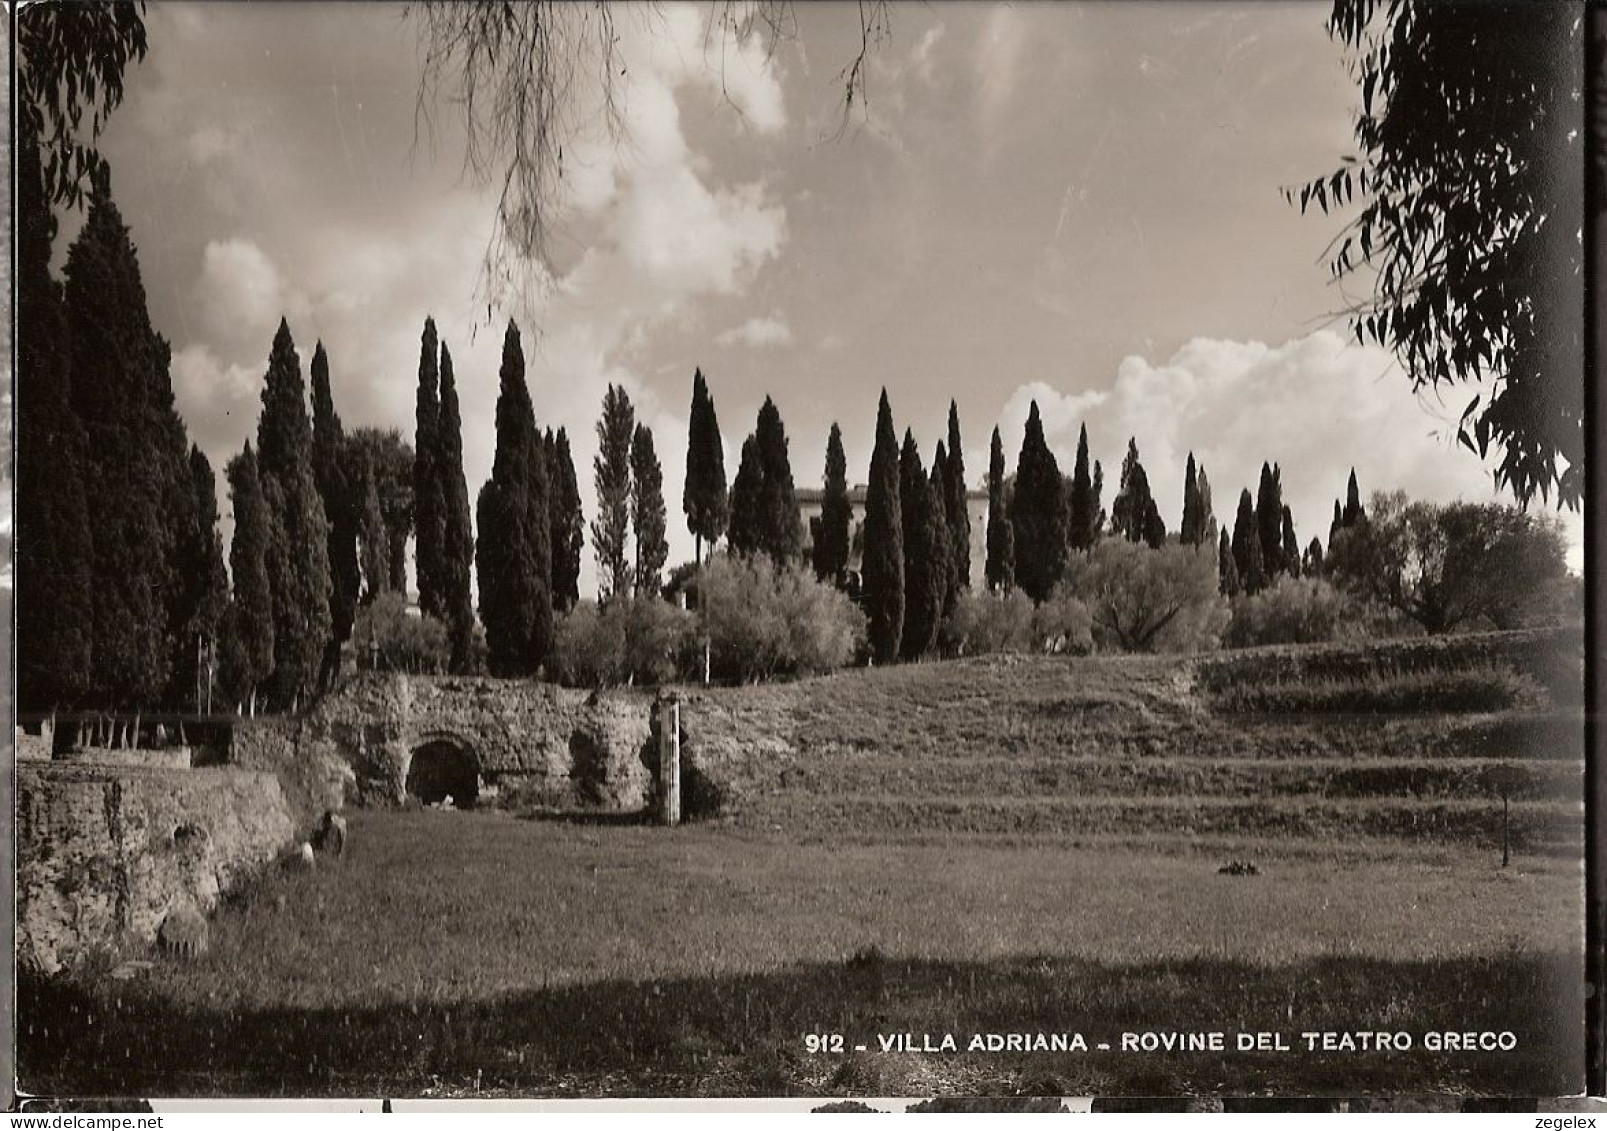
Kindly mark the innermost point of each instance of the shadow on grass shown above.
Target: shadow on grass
(605, 818)
(743, 1034)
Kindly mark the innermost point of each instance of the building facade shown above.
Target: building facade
(809, 501)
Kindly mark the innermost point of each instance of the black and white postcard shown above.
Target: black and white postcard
(824, 552)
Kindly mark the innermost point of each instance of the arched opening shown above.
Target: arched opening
(444, 771)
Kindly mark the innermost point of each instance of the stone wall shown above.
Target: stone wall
(105, 852)
(547, 745)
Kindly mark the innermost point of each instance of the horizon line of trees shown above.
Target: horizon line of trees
(125, 599)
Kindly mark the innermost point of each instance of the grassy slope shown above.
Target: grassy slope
(985, 845)
(453, 944)
(1309, 744)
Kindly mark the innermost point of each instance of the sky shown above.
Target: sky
(1073, 204)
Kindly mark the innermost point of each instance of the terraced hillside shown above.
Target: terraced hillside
(1412, 741)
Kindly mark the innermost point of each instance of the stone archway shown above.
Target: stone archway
(444, 769)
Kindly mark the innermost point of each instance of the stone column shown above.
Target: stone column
(669, 759)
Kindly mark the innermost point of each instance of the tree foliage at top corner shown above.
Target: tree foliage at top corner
(70, 64)
(1469, 179)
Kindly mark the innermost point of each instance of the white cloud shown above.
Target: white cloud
(242, 295)
(1316, 405)
(758, 333)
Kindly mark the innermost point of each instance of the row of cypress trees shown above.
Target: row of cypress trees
(917, 552)
(119, 565)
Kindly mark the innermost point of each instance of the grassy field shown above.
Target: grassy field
(1003, 845)
(457, 952)
(1351, 744)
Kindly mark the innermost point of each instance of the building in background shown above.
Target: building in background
(809, 502)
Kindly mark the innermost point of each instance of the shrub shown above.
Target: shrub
(628, 640)
(1479, 688)
(1294, 611)
(765, 620)
(389, 636)
(1459, 565)
(1063, 624)
(1150, 600)
(981, 623)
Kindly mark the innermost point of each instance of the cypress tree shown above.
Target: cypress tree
(946, 574)
(513, 555)
(1247, 547)
(1098, 506)
(1269, 521)
(704, 498)
(121, 393)
(1312, 563)
(781, 532)
(1192, 532)
(429, 509)
(373, 538)
(1336, 525)
(1227, 568)
(611, 469)
(836, 512)
(958, 505)
(746, 534)
(1202, 491)
(1154, 526)
(568, 524)
(202, 581)
(1354, 511)
(455, 564)
(924, 544)
(298, 552)
(1038, 513)
(1081, 509)
(1130, 515)
(884, 541)
(329, 473)
(1289, 544)
(250, 616)
(54, 550)
(647, 513)
(1001, 561)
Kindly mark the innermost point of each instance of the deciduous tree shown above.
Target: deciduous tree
(611, 471)
(1453, 565)
(1469, 140)
(390, 461)
(1146, 599)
